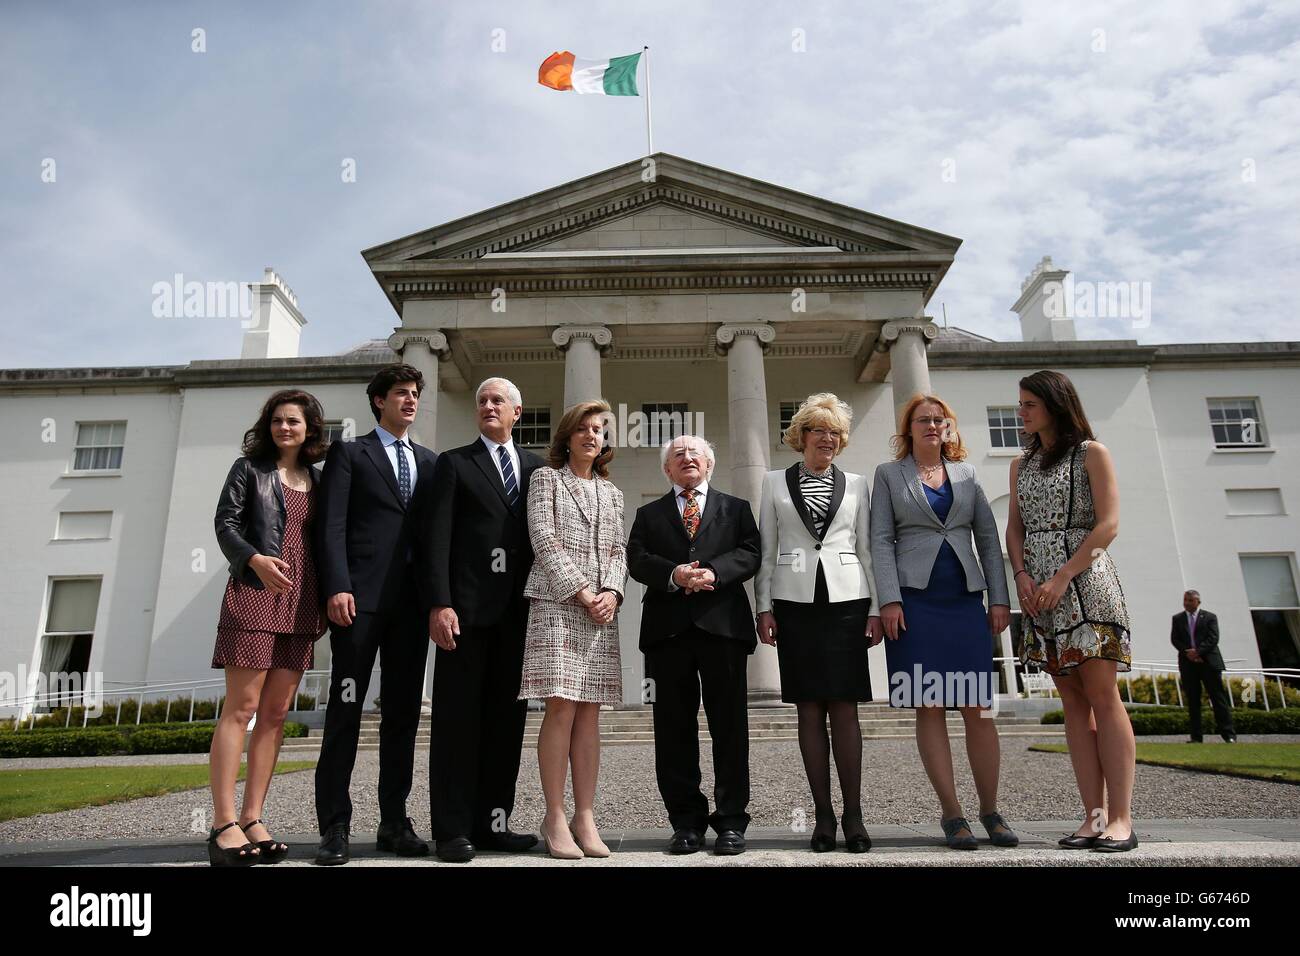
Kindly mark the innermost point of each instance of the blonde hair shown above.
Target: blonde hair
(821, 410)
(558, 454)
(952, 449)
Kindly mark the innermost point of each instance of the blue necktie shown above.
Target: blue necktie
(403, 471)
(508, 475)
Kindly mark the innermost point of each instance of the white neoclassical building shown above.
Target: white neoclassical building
(680, 293)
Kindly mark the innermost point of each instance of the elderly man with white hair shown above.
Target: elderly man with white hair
(477, 558)
(694, 549)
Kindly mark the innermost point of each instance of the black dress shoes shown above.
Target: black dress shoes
(689, 841)
(507, 842)
(333, 849)
(1111, 845)
(729, 843)
(455, 850)
(1074, 842)
(400, 838)
(1230, 738)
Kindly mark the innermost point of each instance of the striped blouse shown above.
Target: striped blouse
(816, 491)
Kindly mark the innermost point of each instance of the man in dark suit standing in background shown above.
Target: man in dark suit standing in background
(1196, 635)
(694, 549)
(477, 561)
(374, 494)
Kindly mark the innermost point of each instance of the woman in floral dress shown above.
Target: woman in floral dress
(1063, 515)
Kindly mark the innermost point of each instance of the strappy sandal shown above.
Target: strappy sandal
(954, 826)
(1004, 837)
(218, 855)
(272, 851)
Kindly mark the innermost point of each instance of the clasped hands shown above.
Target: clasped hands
(691, 577)
(1037, 598)
(601, 605)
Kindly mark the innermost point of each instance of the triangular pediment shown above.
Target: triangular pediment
(646, 204)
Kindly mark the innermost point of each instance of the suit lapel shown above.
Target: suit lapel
(712, 503)
(570, 481)
(792, 483)
(481, 457)
(669, 504)
(960, 489)
(912, 478)
(526, 468)
(374, 449)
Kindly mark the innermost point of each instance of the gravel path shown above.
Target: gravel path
(1035, 786)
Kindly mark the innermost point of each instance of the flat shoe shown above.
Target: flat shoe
(953, 827)
(1111, 845)
(1004, 837)
(1075, 842)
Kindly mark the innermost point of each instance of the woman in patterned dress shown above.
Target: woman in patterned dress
(270, 614)
(571, 654)
(1063, 515)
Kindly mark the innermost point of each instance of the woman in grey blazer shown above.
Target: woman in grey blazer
(927, 508)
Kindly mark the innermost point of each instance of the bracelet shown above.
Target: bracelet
(1023, 571)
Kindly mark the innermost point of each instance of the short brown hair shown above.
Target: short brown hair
(386, 378)
(558, 454)
(901, 443)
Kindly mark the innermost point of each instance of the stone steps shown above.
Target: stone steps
(637, 727)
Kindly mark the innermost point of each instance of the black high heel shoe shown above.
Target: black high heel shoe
(271, 851)
(823, 837)
(856, 839)
(218, 855)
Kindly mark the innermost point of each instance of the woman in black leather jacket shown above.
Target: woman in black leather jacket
(270, 614)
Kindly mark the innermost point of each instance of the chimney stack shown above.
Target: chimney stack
(1044, 306)
(276, 322)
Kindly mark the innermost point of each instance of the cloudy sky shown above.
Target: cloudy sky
(1150, 142)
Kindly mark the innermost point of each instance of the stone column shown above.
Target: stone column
(423, 349)
(748, 432)
(905, 340)
(582, 346)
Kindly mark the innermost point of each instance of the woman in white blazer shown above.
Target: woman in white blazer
(813, 592)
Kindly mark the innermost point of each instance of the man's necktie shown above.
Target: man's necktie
(691, 514)
(1191, 629)
(508, 474)
(403, 471)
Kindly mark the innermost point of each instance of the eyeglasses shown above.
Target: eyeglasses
(824, 432)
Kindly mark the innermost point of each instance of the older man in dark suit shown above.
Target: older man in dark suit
(694, 549)
(374, 495)
(1196, 635)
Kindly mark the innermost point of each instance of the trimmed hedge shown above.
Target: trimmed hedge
(108, 741)
(1175, 720)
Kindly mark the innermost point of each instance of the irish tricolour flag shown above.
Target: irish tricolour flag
(613, 77)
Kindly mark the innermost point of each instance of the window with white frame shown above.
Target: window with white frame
(339, 431)
(99, 446)
(533, 430)
(65, 643)
(664, 421)
(1274, 607)
(787, 411)
(1004, 427)
(1236, 423)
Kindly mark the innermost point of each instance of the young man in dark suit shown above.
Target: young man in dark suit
(374, 499)
(477, 561)
(1196, 635)
(694, 549)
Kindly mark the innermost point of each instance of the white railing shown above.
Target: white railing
(1032, 680)
(194, 690)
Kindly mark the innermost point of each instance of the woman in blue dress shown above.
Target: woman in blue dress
(929, 519)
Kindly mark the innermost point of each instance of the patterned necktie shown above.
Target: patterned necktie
(691, 514)
(403, 471)
(1191, 629)
(508, 475)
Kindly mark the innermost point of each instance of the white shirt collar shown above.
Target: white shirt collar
(701, 490)
(387, 438)
(492, 446)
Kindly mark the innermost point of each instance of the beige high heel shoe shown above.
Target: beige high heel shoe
(597, 850)
(562, 852)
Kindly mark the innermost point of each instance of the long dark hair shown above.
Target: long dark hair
(260, 446)
(558, 454)
(1058, 396)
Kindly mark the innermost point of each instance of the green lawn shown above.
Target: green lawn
(1279, 762)
(25, 793)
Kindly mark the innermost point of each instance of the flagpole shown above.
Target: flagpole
(649, 136)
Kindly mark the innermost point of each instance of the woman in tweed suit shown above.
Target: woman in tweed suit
(571, 656)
